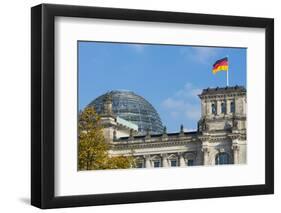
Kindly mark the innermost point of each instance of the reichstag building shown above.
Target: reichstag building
(133, 127)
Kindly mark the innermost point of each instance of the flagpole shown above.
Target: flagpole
(227, 83)
(227, 77)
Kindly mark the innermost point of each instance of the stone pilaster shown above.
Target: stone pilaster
(164, 160)
(238, 106)
(203, 108)
(205, 151)
(235, 148)
(218, 105)
(228, 106)
(209, 108)
(244, 106)
(147, 161)
(181, 160)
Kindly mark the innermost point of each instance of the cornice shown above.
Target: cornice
(177, 142)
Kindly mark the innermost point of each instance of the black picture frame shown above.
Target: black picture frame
(43, 102)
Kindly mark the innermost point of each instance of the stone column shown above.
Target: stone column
(147, 161)
(218, 105)
(227, 102)
(181, 160)
(205, 151)
(244, 106)
(203, 108)
(208, 108)
(238, 107)
(235, 149)
(165, 160)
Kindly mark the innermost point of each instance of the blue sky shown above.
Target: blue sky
(169, 76)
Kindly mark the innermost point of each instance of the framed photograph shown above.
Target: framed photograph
(136, 106)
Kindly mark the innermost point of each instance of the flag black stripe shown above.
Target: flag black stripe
(218, 61)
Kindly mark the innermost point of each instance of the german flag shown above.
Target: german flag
(220, 65)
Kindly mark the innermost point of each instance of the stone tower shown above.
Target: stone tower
(114, 126)
(222, 125)
(223, 109)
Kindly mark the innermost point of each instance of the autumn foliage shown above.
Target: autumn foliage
(92, 147)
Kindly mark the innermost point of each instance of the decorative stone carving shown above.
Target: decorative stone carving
(203, 125)
(164, 134)
(147, 136)
(131, 134)
(165, 130)
(227, 126)
(235, 148)
(181, 129)
(235, 124)
(221, 150)
(108, 105)
(199, 126)
(114, 134)
(205, 150)
(206, 127)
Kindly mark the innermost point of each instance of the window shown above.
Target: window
(156, 163)
(174, 163)
(190, 162)
(232, 107)
(222, 158)
(214, 109)
(139, 164)
(223, 108)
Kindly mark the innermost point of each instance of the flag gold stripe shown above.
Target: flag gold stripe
(220, 68)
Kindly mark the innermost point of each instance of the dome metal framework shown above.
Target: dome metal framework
(133, 108)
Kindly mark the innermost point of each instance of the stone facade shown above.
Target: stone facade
(220, 137)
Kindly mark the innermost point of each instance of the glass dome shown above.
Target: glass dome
(133, 108)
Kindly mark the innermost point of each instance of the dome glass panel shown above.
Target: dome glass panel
(133, 108)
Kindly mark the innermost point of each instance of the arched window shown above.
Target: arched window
(156, 161)
(190, 159)
(232, 107)
(222, 158)
(173, 160)
(214, 109)
(190, 162)
(223, 108)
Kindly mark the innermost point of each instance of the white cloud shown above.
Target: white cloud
(172, 103)
(193, 111)
(188, 91)
(184, 102)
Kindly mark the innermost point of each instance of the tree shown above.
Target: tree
(92, 147)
